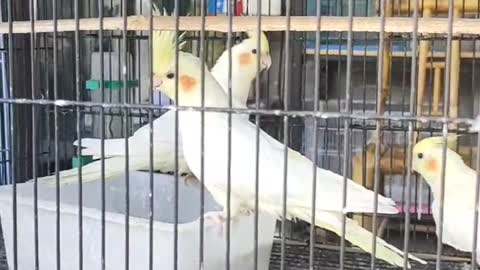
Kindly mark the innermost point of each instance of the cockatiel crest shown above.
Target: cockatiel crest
(437, 141)
(164, 46)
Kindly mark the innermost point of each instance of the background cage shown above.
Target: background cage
(16, 119)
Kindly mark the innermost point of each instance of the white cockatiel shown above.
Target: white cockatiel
(243, 73)
(243, 162)
(460, 186)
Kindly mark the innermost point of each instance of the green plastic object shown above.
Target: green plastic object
(81, 161)
(93, 85)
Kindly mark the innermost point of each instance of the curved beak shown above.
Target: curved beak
(413, 169)
(157, 84)
(266, 61)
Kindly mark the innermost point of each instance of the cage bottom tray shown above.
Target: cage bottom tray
(297, 258)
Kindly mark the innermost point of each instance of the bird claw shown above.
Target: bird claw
(247, 211)
(189, 179)
(217, 219)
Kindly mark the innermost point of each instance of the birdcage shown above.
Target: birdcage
(352, 86)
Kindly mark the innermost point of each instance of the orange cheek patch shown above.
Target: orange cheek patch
(432, 165)
(245, 59)
(188, 83)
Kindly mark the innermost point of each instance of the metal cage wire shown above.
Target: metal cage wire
(48, 99)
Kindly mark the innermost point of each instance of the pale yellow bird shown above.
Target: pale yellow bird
(328, 207)
(244, 67)
(460, 186)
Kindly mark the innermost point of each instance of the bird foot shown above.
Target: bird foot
(190, 179)
(216, 219)
(246, 211)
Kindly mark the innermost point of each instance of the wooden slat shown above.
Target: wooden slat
(244, 23)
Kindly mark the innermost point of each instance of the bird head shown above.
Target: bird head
(246, 52)
(244, 57)
(427, 157)
(189, 74)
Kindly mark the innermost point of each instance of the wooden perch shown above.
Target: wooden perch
(469, 6)
(244, 23)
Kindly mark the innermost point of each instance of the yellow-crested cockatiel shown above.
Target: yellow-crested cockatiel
(329, 206)
(244, 67)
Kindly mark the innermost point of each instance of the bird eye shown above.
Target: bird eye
(170, 75)
(420, 155)
(254, 51)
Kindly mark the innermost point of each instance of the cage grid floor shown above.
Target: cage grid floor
(297, 258)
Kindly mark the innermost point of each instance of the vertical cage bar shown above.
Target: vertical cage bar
(477, 192)
(202, 132)
(446, 106)
(475, 211)
(410, 134)
(34, 132)
(126, 115)
(257, 137)
(311, 259)
(4, 114)
(286, 85)
(230, 5)
(150, 121)
(102, 137)
(378, 131)
(175, 225)
(79, 133)
(346, 130)
(46, 59)
(12, 132)
(56, 136)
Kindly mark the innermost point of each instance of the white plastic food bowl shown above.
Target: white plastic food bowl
(242, 231)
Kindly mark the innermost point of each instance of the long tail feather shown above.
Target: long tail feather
(91, 146)
(356, 235)
(114, 167)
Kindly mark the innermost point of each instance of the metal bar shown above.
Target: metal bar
(126, 99)
(12, 132)
(286, 86)
(348, 81)
(257, 138)
(378, 132)
(202, 53)
(56, 136)
(291, 113)
(4, 136)
(47, 86)
(446, 106)
(413, 94)
(175, 225)
(477, 192)
(102, 139)
(311, 259)
(230, 10)
(475, 211)
(34, 132)
(151, 155)
(79, 135)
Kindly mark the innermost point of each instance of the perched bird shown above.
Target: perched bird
(328, 206)
(244, 67)
(460, 186)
